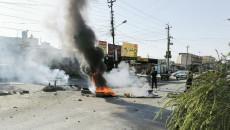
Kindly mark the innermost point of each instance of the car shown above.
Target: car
(179, 71)
(182, 75)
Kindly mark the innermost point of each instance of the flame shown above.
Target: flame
(102, 88)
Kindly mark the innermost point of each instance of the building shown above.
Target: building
(208, 62)
(187, 60)
(208, 59)
(23, 42)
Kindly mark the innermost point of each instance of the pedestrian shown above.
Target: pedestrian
(154, 78)
(189, 79)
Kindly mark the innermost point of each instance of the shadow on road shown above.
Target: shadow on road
(141, 115)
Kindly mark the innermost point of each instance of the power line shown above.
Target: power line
(17, 23)
(11, 3)
(137, 10)
(19, 29)
(40, 3)
(22, 6)
(20, 18)
(19, 10)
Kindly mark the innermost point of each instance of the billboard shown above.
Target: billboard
(129, 49)
(103, 44)
(112, 47)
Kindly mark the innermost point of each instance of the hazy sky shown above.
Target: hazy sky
(199, 24)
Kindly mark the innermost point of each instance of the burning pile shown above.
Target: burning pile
(101, 88)
(84, 41)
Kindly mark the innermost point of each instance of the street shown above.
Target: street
(71, 110)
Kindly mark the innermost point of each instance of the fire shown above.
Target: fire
(102, 88)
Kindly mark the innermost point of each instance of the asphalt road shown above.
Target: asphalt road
(71, 110)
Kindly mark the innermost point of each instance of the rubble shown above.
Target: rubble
(53, 88)
(85, 91)
(4, 93)
(25, 91)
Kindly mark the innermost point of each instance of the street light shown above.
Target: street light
(125, 21)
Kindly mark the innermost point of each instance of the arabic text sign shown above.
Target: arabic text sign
(129, 50)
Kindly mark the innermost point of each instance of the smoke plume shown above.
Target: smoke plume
(27, 64)
(124, 77)
(84, 40)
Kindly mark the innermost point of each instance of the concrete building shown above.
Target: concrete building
(188, 59)
(208, 59)
(25, 41)
(208, 62)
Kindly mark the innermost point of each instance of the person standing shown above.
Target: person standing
(154, 78)
(189, 79)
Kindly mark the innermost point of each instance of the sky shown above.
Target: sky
(201, 25)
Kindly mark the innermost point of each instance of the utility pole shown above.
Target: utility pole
(168, 52)
(110, 2)
(187, 58)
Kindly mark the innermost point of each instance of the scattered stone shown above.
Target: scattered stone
(134, 101)
(33, 115)
(25, 91)
(14, 92)
(11, 116)
(10, 93)
(85, 91)
(66, 118)
(166, 88)
(55, 94)
(87, 95)
(15, 107)
(53, 88)
(21, 92)
(94, 110)
(79, 100)
(3, 93)
(136, 109)
(78, 121)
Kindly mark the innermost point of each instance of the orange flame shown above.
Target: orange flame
(102, 89)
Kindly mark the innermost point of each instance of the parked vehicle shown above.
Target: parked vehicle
(182, 75)
(179, 71)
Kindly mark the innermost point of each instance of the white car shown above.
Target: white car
(182, 75)
(180, 71)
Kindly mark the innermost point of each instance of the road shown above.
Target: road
(71, 110)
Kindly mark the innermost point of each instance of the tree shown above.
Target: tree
(206, 105)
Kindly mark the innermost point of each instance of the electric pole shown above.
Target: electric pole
(168, 52)
(110, 2)
(112, 18)
(187, 58)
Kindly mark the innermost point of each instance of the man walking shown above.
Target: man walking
(154, 78)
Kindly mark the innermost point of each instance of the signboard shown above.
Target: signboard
(129, 50)
(103, 44)
(112, 47)
(142, 59)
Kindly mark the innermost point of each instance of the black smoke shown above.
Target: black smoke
(84, 39)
